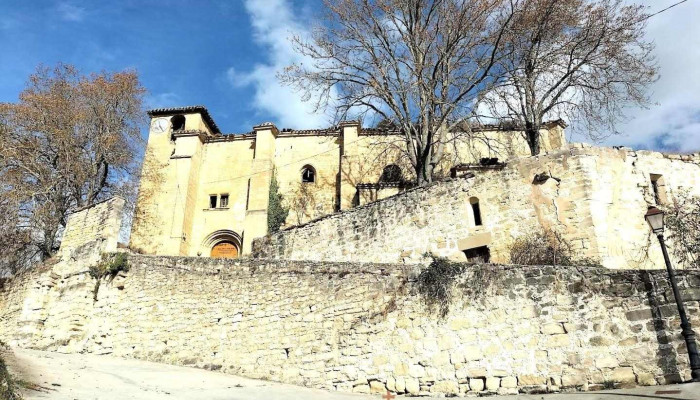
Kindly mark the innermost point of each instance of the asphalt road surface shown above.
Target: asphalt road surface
(84, 377)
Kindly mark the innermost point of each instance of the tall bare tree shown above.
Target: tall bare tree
(579, 60)
(683, 222)
(416, 64)
(70, 141)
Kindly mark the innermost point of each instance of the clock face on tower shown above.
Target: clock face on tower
(160, 125)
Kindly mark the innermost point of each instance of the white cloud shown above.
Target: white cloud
(163, 100)
(273, 23)
(70, 12)
(674, 122)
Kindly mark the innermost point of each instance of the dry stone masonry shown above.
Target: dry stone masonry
(306, 312)
(364, 327)
(593, 197)
(99, 223)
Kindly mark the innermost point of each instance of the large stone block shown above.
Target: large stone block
(477, 384)
(447, 387)
(412, 386)
(493, 383)
(531, 380)
(624, 375)
(572, 378)
(552, 329)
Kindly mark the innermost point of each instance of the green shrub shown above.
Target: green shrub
(276, 211)
(110, 266)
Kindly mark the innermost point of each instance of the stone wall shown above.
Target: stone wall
(364, 327)
(593, 197)
(97, 223)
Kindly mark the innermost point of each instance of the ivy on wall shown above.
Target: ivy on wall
(276, 211)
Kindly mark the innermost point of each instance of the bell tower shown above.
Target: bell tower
(169, 179)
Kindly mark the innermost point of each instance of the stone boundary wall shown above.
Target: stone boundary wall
(364, 327)
(593, 197)
(97, 223)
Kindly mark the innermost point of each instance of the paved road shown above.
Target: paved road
(86, 377)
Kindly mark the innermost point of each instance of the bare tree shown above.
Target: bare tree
(69, 141)
(683, 222)
(579, 60)
(418, 65)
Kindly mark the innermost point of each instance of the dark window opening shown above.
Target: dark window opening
(212, 201)
(223, 203)
(308, 174)
(659, 187)
(337, 192)
(391, 173)
(178, 122)
(247, 197)
(476, 209)
(478, 255)
(356, 199)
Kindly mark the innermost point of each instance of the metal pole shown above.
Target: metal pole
(686, 329)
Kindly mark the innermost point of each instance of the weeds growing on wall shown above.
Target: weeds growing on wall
(109, 267)
(545, 248)
(276, 211)
(436, 283)
(8, 387)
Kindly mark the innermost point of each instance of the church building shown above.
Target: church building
(206, 193)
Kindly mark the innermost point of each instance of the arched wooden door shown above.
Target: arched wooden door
(224, 250)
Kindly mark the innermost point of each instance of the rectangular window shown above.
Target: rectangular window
(479, 255)
(224, 201)
(247, 196)
(212, 201)
(659, 188)
(477, 214)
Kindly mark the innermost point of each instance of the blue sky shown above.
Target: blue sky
(224, 55)
(184, 51)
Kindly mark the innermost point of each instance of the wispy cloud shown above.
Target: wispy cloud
(163, 100)
(273, 23)
(70, 12)
(673, 122)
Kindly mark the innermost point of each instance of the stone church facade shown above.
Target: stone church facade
(204, 193)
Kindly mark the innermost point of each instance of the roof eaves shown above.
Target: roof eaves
(187, 109)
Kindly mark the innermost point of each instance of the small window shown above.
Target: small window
(391, 173)
(480, 255)
(476, 210)
(212, 201)
(178, 122)
(224, 201)
(308, 174)
(658, 185)
(247, 196)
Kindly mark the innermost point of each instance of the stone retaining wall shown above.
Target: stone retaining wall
(593, 197)
(364, 327)
(99, 223)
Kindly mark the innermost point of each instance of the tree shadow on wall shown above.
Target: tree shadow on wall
(666, 356)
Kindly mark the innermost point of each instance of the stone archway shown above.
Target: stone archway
(223, 244)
